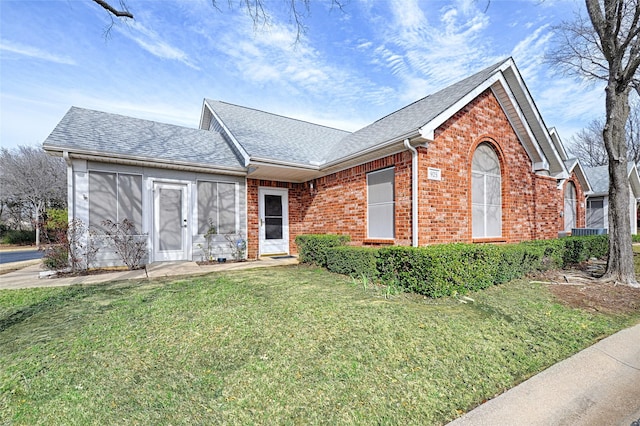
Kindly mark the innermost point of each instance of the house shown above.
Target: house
(473, 162)
(598, 200)
(574, 189)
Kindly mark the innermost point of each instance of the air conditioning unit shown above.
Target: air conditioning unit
(581, 232)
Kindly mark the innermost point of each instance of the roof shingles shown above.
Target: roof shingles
(122, 136)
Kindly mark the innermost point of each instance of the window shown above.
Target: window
(380, 207)
(595, 213)
(570, 205)
(217, 204)
(114, 197)
(486, 193)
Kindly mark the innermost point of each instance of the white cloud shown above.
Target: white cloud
(33, 52)
(153, 43)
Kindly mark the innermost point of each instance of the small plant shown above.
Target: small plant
(238, 246)
(129, 244)
(208, 249)
(71, 247)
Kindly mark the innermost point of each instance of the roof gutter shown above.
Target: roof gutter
(146, 162)
(398, 140)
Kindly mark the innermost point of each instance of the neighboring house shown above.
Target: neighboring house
(473, 162)
(598, 200)
(574, 189)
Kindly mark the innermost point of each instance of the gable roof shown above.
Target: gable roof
(599, 179)
(406, 121)
(270, 141)
(271, 136)
(573, 165)
(113, 137)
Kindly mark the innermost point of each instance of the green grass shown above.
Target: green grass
(292, 345)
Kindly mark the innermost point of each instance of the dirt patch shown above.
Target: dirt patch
(579, 287)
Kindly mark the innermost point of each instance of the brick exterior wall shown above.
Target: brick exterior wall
(337, 203)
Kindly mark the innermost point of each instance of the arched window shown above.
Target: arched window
(570, 205)
(486, 193)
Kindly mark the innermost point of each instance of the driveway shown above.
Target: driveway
(19, 255)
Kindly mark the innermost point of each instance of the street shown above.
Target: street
(19, 255)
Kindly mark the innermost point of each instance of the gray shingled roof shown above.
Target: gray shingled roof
(266, 135)
(599, 178)
(118, 135)
(409, 118)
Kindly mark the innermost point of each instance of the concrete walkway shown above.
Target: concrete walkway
(598, 386)
(28, 274)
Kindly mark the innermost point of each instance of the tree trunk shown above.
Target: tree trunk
(620, 264)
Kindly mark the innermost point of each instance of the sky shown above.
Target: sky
(349, 68)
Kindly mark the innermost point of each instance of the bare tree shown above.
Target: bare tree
(606, 46)
(588, 144)
(257, 10)
(30, 176)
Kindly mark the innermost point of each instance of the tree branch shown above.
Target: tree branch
(115, 12)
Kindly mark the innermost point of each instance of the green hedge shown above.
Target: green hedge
(354, 261)
(18, 237)
(312, 248)
(447, 269)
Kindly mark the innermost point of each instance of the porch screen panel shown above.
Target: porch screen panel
(103, 199)
(381, 206)
(130, 199)
(207, 206)
(170, 232)
(227, 208)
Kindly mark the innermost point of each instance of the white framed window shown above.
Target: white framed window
(380, 204)
(570, 206)
(595, 213)
(486, 193)
(114, 196)
(217, 204)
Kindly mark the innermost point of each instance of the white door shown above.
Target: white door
(170, 221)
(273, 207)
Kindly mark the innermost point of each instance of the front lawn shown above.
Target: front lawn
(292, 345)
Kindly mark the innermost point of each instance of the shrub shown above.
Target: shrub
(312, 248)
(128, 243)
(56, 219)
(354, 261)
(19, 237)
(544, 255)
(440, 270)
(579, 249)
(70, 247)
(635, 238)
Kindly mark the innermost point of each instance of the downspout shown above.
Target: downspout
(71, 214)
(414, 192)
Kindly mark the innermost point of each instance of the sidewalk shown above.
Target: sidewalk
(597, 386)
(27, 277)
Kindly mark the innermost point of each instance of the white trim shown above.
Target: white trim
(187, 250)
(245, 155)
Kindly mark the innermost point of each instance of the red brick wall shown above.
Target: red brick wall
(337, 204)
(445, 206)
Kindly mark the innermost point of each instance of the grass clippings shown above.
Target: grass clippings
(285, 345)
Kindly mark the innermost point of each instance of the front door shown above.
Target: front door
(170, 221)
(274, 220)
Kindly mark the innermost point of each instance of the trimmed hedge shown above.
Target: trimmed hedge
(18, 237)
(354, 261)
(312, 248)
(447, 269)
